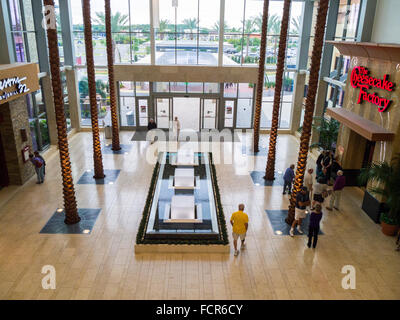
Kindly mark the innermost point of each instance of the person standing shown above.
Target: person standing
(313, 228)
(176, 127)
(335, 167)
(302, 201)
(338, 186)
(38, 164)
(150, 126)
(240, 224)
(288, 178)
(320, 189)
(309, 181)
(37, 154)
(319, 162)
(327, 165)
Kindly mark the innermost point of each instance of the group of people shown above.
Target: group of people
(39, 164)
(330, 181)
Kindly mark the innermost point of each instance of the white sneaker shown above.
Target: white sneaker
(291, 232)
(242, 246)
(299, 230)
(236, 253)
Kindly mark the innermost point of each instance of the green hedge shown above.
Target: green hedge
(223, 235)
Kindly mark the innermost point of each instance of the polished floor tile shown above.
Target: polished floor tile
(103, 264)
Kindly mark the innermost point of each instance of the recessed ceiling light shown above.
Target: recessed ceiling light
(86, 231)
(60, 210)
(278, 232)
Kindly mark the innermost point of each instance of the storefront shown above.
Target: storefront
(17, 82)
(370, 116)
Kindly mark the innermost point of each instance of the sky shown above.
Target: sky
(209, 10)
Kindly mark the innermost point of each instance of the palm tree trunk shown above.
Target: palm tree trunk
(70, 206)
(270, 169)
(260, 79)
(97, 156)
(110, 59)
(310, 105)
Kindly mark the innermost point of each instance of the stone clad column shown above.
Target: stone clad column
(73, 98)
(298, 99)
(14, 118)
(50, 113)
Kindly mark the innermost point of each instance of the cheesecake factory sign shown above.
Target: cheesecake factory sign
(17, 80)
(360, 78)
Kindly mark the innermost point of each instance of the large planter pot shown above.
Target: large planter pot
(389, 229)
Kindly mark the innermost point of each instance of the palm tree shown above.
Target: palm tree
(97, 156)
(310, 104)
(260, 80)
(274, 28)
(118, 24)
(248, 28)
(270, 169)
(70, 206)
(190, 24)
(163, 27)
(110, 61)
(118, 21)
(295, 26)
(217, 26)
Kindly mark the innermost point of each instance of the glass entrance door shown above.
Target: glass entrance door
(163, 106)
(209, 113)
(188, 112)
(229, 113)
(142, 111)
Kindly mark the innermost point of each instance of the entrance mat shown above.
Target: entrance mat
(110, 177)
(125, 149)
(280, 227)
(56, 224)
(258, 179)
(184, 136)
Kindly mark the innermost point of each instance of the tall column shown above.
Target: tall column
(70, 206)
(298, 98)
(14, 118)
(73, 97)
(326, 63)
(221, 33)
(97, 155)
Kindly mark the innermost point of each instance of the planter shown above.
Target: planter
(389, 229)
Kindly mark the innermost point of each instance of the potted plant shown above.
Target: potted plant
(328, 131)
(387, 177)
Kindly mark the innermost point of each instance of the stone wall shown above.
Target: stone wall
(15, 118)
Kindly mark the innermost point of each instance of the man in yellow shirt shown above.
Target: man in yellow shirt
(240, 224)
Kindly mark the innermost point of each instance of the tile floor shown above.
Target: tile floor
(103, 265)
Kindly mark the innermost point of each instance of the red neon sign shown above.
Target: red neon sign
(360, 78)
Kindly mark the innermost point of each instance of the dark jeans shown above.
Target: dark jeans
(313, 233)
(287, 184)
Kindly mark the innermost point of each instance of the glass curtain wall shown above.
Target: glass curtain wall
(25, 49)
(186, 32)
(346, 30)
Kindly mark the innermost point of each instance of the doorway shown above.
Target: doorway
(188, 112)
(4, 180)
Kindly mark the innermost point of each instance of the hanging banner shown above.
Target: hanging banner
(17, 80)
(361, 79)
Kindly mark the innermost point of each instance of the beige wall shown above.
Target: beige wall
(130, 72)
(390, 119)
